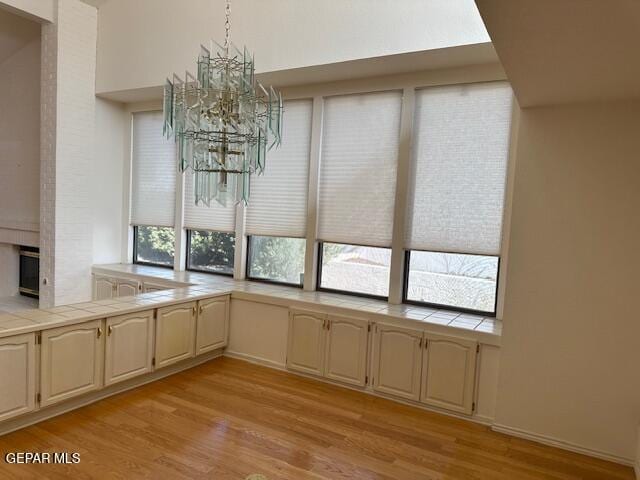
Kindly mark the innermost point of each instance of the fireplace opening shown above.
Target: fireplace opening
(29, 272)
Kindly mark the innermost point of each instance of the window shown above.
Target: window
(154, 245)
(210, 252)
(153, 172)
(276, 259)
(354, 269)
(464, 282)
(456, 194)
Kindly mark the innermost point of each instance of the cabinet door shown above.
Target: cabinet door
(128, 347)
(305, 348)
(128, 288)
(104, 288)
(397, 361)
(71, 360)
(175, 333)
(449, 372)
(346, 350)
(17, 375)
(154, 287)
(213, 324)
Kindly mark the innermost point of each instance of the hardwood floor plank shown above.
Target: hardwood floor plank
(227, 419)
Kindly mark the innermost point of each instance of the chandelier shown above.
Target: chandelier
(223, 122)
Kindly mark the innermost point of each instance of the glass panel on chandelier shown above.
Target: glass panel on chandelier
(153, 245)
(210, 252)
(467, 282)
(355, 269)
(276, 259)
(223, 123)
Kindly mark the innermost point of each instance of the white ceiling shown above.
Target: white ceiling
(566, 51)
(15, 33)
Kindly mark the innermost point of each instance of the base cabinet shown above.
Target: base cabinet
(448, 373)
(128, 346)
(17, 375)
(305, 345)
(332, 346)
(346, 349)
(212, 327)
(71, 361)
(104, 288)
(397, 361)
(175, 333)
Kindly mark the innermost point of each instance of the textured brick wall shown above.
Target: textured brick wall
(68, 120)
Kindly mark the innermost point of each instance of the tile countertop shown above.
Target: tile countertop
(194, 286)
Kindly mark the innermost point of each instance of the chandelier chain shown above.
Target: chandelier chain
(227, 26)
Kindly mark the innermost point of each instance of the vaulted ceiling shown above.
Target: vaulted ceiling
(562, 51)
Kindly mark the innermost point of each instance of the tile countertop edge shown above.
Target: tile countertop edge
(240, 290)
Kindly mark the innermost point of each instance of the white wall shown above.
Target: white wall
(150, 39)
(108, 184)
(67, 150)
(20, 139)
(571, 331)
(9, 269)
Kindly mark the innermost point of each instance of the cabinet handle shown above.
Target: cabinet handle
(328, 324)
(324, 324)
(109, 330)
(99, 332)
(194, 311)
(420, 343)
(201, 309)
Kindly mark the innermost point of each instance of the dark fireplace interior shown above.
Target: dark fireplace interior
(29, 271)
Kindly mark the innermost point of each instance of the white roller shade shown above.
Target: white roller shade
(460, 153)
(153, 180)
(278, 200)
(215, 217)
(358, 168)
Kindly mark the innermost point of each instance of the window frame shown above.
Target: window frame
(135, 250)
(267, 280)
(201, 270)
(320, 288)
(405, 289)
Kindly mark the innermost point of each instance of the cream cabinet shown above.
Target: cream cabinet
(397, 361)
(448, 372)
(346, 349)
(128, 346)
(104, 288)
(212, 326)
(175, 333)
(306, 341)
(154, 287)
(332, 346)
(127, 288)
(71, 361)
(17, 375)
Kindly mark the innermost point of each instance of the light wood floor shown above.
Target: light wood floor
(227, 419)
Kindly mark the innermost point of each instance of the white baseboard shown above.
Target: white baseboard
(368, 390)
(572, 447)
(255, 360)
(475, 418)
(45, 413)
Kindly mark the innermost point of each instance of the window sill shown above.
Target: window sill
(487, 330)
